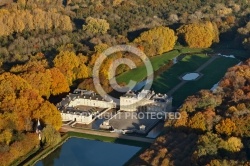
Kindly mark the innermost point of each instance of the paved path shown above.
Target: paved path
(197, 70)
(207, 63)
(106, 134)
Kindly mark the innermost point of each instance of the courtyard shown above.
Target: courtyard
(132, 121)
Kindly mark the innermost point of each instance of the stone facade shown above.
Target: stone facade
(145, 101)
(79, 106)
(86, 98)
(80, 117)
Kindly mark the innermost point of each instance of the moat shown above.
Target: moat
(78, 151)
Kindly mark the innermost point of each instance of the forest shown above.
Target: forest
(213, 130)
(48, 47)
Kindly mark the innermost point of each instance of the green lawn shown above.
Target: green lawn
(186, 50)
(140, 73)
(228, 48)
(212, 75)
(239, 54)
(169, 79)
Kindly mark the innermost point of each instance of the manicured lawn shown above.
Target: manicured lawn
(228, 48)
(212, 75)
(239, 54)
(186, 50)
(169, 79)
(140, 73)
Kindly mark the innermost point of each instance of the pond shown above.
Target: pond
(190, 76)
(78, 152)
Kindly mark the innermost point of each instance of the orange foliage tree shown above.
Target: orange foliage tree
(71, 65)
(226, 127)
(20, 104)
(39, 76)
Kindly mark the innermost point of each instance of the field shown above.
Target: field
(193, 59)
(212, 75)
(139, 73)
(168, 79)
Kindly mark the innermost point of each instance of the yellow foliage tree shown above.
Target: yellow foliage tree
(96, 25)
(6, 136)
(197, 122)
(233, 144)
(40, 81)
(59, 82)
(71, 66)
(19, 20)
(66, 61)
(199, 35)
(46, 81)
(183, 120)
(226, 126)
(19, 102)
(157, 40)
(49, 114)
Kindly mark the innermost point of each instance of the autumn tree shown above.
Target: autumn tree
(19, 148)
(183, 120)
(96, 25)
(20, 102)
(59, 82)
(6, 136)
(233, 144)
(208, 144)
(226, 127)
(40, 81)
(242, 124)
(157, 40)
(71, 65)
(38, 74)
(49, 114)
(204, 99)
(197, 122)
(19, 20)
(50, 136)
(199, 35)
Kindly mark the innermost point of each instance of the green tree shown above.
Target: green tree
(96, 25)
(50, 136)
(208, 144)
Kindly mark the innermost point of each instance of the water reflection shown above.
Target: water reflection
(78, 151)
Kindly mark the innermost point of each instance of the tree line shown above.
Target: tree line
(213, 128)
